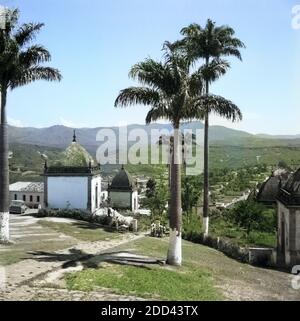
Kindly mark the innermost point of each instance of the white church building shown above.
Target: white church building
(74, 184)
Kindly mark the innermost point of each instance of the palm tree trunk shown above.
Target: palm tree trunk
(175, 251)
(4, 172)
(206, 168)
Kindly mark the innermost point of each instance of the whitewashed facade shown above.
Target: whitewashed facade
(77, 190)
(76, 184)
(31, 193)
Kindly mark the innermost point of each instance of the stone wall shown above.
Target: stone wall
(255, 256)
(232, 250)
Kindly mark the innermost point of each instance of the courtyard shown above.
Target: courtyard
(62, 259)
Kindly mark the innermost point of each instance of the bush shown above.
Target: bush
(251, 215)
(191, 223)
(79, 215)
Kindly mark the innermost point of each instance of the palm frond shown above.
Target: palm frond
(137, 95)
(157, 113)
(153, 74)
(191, 30)
(24, 77)
(34, 55)
(214, 70)
(218, 105)
(27, 32)
(211, 41)
(11, 20)
(232, 51)
(196, 84)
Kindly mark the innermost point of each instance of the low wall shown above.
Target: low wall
(255, 256)
(260, 256)
(232, 250)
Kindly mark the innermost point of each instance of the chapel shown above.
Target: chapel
(75, 183)
(123, 192)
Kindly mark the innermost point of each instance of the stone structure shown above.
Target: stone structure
(122, 192)
(74, 184)
(288, 236)
(268, 191)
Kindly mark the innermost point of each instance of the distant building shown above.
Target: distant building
(288, 210)
(31, 193)
(75, 184)
(268, 191)
(122, 192)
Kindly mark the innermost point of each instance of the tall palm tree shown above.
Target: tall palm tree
(211, 44)
(165, 88)
(20, 64)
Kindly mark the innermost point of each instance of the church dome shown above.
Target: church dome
(123, 181)
(76, 155)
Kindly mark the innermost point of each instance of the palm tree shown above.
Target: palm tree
(165, 88)
(20, 64)
(211, 43)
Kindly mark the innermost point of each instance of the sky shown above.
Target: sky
(95, 42)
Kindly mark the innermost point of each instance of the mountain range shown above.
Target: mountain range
(61, 136)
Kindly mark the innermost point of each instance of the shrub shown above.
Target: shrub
(75, 214)
(251, 215)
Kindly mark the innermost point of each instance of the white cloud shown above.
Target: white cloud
(69, 123)
(248, 120)
(15, 122)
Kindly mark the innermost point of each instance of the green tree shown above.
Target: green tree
(20, 64)
(166, 89)
(150, 188)
(191, 192)
(251, 215)
(210, 44)
(157, 199)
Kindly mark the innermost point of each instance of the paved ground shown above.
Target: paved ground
(25, 279)
(41, 256)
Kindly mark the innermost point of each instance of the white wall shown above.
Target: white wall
(135, 201)
(96, 181)
(65, 190)
(28, 194)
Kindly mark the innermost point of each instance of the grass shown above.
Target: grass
(220, 227)
(240, 237)
(15, 253)
(157, 283)
(80, 230)
(189, 282)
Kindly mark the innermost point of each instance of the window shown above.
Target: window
(31, 198)
(38, 199)
(24, 198)
(16, 197)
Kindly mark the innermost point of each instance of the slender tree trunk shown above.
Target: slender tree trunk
(4, 172)
(206, 168)
(175, 251)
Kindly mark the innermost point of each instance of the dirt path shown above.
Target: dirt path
(240, 281)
